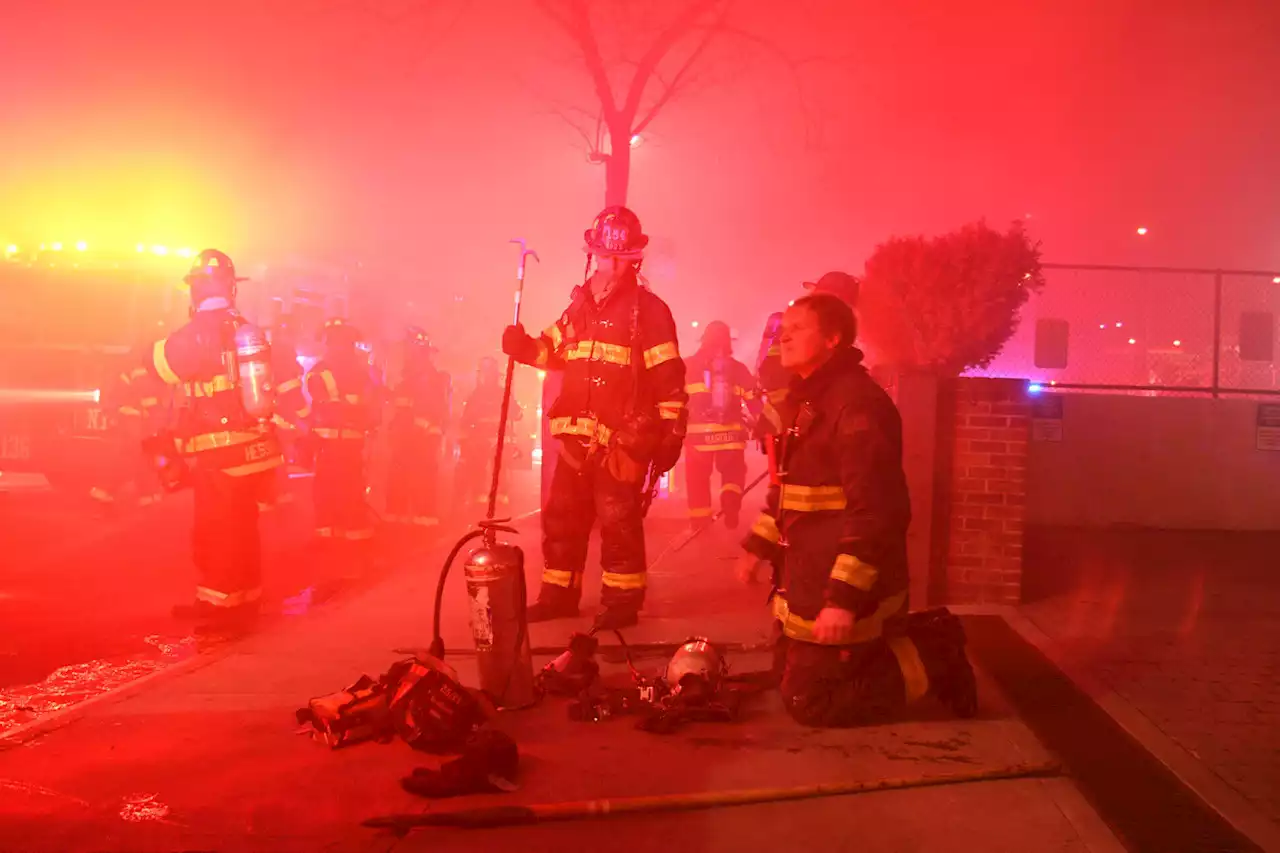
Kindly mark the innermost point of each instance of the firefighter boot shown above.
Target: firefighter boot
(545, 610)
(615, 618)
(229, 621)
(940, 638)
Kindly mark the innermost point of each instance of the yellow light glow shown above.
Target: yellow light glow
(185, 253)
(81, 246)
(57, 247)
(159, 250)
(11, 249)
(140, 247)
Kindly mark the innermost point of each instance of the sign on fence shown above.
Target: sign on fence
(1046, 418)
(1268, 426)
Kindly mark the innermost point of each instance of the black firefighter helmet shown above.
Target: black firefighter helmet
(339, 333)
(212, 275)
(616, 232)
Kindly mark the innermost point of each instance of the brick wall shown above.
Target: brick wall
(985, 492)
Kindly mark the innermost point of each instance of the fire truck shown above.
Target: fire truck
(71, 318)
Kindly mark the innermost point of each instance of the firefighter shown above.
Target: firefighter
(421, 414)
(344, 403)
(134, 399)
(719, 387)
(620, 417)
(478, 430)
(291, 408)
(835, 530)
(226, 434)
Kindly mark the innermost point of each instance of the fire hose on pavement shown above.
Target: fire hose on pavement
(484, 818)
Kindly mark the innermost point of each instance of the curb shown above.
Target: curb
(1213, 791)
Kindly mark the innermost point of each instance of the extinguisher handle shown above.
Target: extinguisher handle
(497, 524)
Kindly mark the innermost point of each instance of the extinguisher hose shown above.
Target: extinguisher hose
(437, 642)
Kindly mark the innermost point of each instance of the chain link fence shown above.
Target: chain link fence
(1148, 330)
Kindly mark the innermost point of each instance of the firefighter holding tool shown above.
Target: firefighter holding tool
(620, 419)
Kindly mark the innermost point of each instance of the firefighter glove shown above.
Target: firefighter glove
(516, 342)
(668, 452)
(624, 467)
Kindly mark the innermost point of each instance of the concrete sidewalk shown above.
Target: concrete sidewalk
(207, 758)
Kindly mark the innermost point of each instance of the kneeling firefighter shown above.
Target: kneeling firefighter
(835, 530)
(225, 431)
(620, 417)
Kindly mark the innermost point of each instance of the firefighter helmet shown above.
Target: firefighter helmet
(417, 337)
(616, 232)
(839, 284)
(718, 334)
(339, 332)
(212, 274)
(697, 665)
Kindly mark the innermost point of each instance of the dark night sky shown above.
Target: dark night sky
(423, 144)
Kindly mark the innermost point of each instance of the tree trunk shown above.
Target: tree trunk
(617, 171)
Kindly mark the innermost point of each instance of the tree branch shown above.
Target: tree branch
(670, 89)
(578, 28)
(660, 47)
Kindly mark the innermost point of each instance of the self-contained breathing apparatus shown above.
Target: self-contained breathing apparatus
(245, 358)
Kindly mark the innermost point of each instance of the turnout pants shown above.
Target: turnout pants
(582, 493)
(339, 491)
(225, 545)
(413, 479)
(699, 466)
(872, 681)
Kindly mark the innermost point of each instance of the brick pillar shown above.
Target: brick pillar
(986, 489)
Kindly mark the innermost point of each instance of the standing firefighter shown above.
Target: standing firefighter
(291, 410)
(422, 402)
(344, 410)
(226, 433)
(620, 417)
(719, 387)
(478, 429)
(835, 529)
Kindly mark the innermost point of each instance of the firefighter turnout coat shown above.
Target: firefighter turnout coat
(836, 518)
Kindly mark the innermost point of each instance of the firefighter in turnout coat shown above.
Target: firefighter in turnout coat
(421, 415)
(232, 449)
(344, 404)
(620, 418)
(721, 394)
(835, 529)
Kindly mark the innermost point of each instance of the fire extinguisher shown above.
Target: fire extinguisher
(494, 574)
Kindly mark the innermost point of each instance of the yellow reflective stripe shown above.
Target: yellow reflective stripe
(697, 428)
(556, 577)
(304, 412)
(699, 511)
(544, 354)
(354, 399)
(771, 416)
(129, 410)
(424, 521)
(661, 354)
(255, 467)
(208, 389)
(731, 487)
(358, 535)
(281, 422)
(599, 351)
(101, 495)
(766, 528)
(748, 394)
(777, 395)
(333, 432)
(696, 388)
(813, 498)
(431, 428)
(215, 440)
(150, 402)
(136, 373)
(330, 385)
(585, 427)
(669, 410)
(857, 574)
(774, 350)
(162, 363)
(864, 630)
(554, 335)
(914, 677)
(227, 599)
(324, 532)
(713, 448)
(623, 580)
(288, 385)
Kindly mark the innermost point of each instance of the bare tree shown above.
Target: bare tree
(632, 93)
